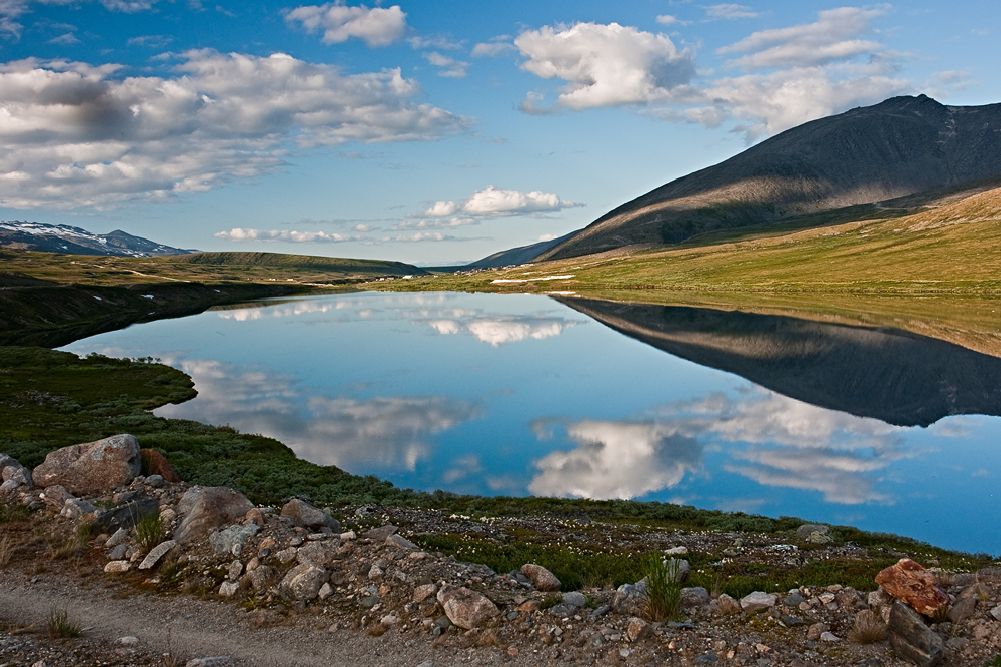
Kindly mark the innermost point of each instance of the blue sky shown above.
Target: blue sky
(432, 131)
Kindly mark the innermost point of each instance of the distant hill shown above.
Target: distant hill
(306, 263)
(897, 148)
(68, 240)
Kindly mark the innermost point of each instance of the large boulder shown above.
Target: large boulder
(466, 608)
(305, 515)
(204, 508)
(92, 467)
(912, 639)
(814, 533)
(915, 586)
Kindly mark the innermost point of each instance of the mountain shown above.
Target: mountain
(897, 148)
(895, 376)
(516, 256)
(68, 240)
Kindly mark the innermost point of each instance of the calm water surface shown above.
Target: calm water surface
(527, 395)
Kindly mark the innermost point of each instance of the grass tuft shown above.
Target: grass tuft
(663, 589)
(61, 627)
(149, 532)
(869, 628)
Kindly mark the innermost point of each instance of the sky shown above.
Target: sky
(429, 131)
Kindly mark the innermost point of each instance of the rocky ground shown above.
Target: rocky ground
(149, 571)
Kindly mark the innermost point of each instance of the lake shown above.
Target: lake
(532, 395)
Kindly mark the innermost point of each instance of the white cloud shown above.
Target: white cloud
(240, 234)
(65, 39)
(128, 6)
(605, 65)
(496, 331)
(835, 35)
(493, 47)
(730, 11)
(80, 135)
(548, 236)
(669, 19)
(439, 42)
(376, 26)
(491, 201)
(10, 13)
(447, 66)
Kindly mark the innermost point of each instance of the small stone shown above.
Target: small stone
(117, 566)
(962, 609)
(119, 537)
(814, 632)
(727, 605)
(423, 592)
(757, 601)
(158, 552)
(229, 588)
(127, 641)
(230, 540)
(214, 661)
(119, 552)
(316, 553)
(380, 534)
(541, 578)
(694, 596)
(348, 536)
(235, 570)
(829, 637)
(677, 551)
(326, 590)
(155, 481)
(574, 599)
(303, 583)
(400, 542)
(306, 515)
(637, 629)
(996, 613)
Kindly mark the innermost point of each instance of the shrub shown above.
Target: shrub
(869, 628)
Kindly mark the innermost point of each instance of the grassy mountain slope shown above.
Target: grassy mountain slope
(900, 147)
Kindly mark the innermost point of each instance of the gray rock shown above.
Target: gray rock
(996, 613)
(155, 481)
(794, 599)
(829, 637)
(204, 508)
(380, 534)
(158, 552)
(575, 599)
(814, 533)
(962, 609)
(127, 641)
(541, 578)
(911, 639)
(91, 467)
(400, 542)
(228, 589)
(11, 470)
(600, 612)
(126, 515)
(562, 610)
(10, 486)
(678, 570)
(757, 601)
(119, 537)
(117, 566)
(74, 508)
(694, 596)
(630, 599)
(230, 541)
(118, 552)
(305, 515)
(303, 583)
(214, 661)
(677, 551)
(317, 554)
(260, 577)
(466, 608)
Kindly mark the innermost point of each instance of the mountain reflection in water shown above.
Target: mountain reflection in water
(897, 377)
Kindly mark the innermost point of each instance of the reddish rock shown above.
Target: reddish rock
(93, 467)
(915, 586)
(156, 463)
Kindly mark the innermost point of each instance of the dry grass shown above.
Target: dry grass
(60, 625)
(6, 551)
(869, 628)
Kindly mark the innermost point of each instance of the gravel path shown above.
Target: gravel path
(196, 628)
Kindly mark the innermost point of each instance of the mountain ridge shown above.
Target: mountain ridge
(70, 240)
(899, 147)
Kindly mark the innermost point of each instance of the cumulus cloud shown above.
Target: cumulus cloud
(497, 331)
(605, 65)
(338, 22)
(81, 135)
(617, 460)
(669, 19)
(447, 66)
(493, 47)
(730, 11)
(494, 202)
(239, 234)
(835, 35)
